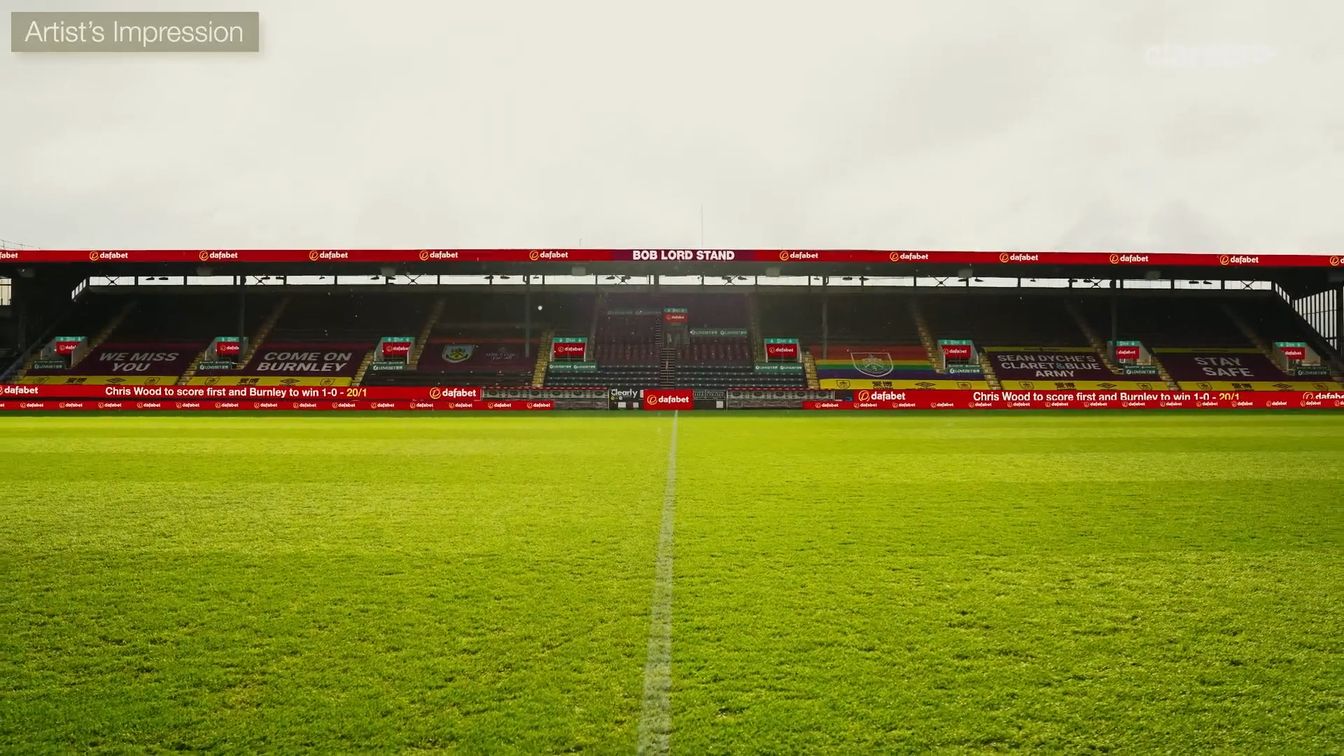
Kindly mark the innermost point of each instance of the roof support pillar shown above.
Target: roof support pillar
(825, 318)
(1339, 321)
(242, 306)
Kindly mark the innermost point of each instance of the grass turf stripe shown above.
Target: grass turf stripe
(655, 721)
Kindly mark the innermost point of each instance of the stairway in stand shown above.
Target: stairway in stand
(422, 338)
(926, 336)
(363, 367)
(1249, 332)
(754, 332)
(1094, 340)
(1165, 376)
(987, 368)
(418, 349)
(667, 354)
(112, 326)
(1266, 349)
(193, 367)
(599, 307)
(253, 342)
(543, 359)
(810, 370)
(1090, 334)
(90, 345)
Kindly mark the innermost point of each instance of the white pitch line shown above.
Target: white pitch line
(655, 720)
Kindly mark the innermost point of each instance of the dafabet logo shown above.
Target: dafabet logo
(669, 399)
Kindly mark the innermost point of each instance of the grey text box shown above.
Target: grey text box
(77, 31)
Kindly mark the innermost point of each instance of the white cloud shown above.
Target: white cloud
(1048, 125)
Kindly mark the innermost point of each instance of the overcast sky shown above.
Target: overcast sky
(1050, 124)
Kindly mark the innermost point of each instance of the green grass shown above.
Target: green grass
(846, 583)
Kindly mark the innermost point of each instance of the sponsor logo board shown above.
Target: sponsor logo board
(669, 399)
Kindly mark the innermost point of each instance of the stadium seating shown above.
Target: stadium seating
(351, 317)
(705, 343)
(628, 338)
(726, 361)
(853, 317)
(1270, 320)
(874, 338)
(718, 352)
(325, 337)
(146, 337)
(1002, 319)
(198, 316)
(466, 361)
(480, 338)
(1162, 320)
(624, 351)
(1210, 340)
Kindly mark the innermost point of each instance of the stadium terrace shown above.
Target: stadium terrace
(676, 328)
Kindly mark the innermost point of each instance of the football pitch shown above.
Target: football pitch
(710, 583)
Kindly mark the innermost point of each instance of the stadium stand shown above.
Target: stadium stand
(628, 339)
(473, 338)
(324, 338)
(1002, 319)
(857, 317)
(714, 349)
(351, 317)
(874, 340)
(1265, 319)
(500, 336)
(690, 340)
(1209, 341)
(190, 317)
(1162, 320)
(139, 337)
(624, 349)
